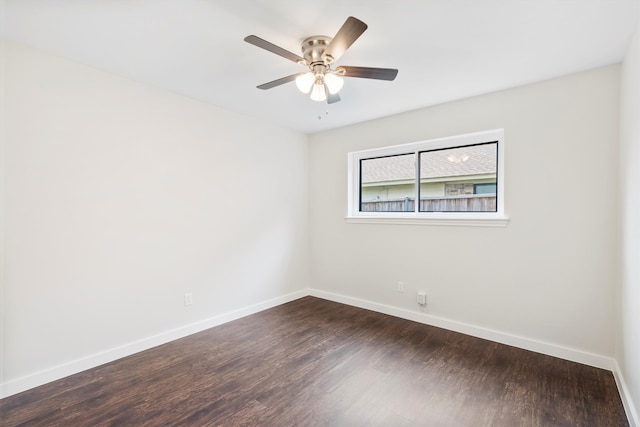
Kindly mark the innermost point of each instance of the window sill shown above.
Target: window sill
(475, 221)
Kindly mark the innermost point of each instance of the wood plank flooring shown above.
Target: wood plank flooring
(313, 362)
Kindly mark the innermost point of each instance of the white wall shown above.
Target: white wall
(549, 275)
(628, 345)
(2, 245)
(119, 199)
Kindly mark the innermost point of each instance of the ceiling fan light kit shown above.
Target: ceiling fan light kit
(318, 54)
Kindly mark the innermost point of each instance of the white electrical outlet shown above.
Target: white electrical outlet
(422, 298)
(400, 286)
(188, 299)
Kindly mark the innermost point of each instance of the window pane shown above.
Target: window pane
(387, 184)
(461, 179)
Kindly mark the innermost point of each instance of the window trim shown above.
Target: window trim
(476, 219)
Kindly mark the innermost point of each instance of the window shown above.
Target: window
(387, 183)
(455, 180)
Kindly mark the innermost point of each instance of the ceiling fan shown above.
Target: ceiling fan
(318, 55)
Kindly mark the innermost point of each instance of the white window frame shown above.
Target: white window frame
(478, 219)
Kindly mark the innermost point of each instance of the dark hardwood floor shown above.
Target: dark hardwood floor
(313, 362)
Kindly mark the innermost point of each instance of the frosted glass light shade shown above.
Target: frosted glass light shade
(305, 81)
(318, 92)
(333, 82)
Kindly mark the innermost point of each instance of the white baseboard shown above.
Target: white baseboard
(627, 402)
(475, 331)
(73, 367)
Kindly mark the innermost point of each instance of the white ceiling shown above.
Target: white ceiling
(444, 49)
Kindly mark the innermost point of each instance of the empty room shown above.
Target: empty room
(338, 213)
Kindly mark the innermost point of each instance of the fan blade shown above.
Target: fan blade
(257, 41)
(332, 98)
(278, 82)
(346, 35)
(367, 73)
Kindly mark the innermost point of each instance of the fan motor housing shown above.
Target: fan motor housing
(313, 49)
